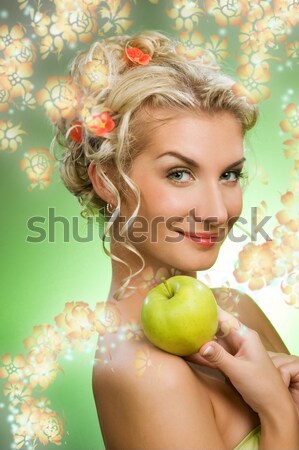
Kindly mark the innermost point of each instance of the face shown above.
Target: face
(188, 177)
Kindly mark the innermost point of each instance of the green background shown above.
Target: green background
(39, 278)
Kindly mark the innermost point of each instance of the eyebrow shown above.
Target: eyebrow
(193, 163)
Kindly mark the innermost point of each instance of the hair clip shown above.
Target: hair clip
(137, 56)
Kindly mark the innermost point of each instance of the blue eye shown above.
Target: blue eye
(179, 175)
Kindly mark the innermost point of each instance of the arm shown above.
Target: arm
(169, 412)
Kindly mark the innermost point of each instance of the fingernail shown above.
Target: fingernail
(208, 351)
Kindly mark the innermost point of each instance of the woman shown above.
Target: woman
(158, 143)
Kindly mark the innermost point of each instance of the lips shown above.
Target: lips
(206, 239)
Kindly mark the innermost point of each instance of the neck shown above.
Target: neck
(152, 274)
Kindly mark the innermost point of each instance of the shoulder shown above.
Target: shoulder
(248, 312)
(153, 403)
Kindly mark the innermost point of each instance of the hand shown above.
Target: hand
(241, 356)
(288, 366)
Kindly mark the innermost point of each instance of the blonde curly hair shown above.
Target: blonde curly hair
(108, 81)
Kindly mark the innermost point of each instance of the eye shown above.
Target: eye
(232, 176)
(180, 175)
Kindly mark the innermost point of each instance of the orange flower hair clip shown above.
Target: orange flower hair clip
(98, 124)
(137, 56)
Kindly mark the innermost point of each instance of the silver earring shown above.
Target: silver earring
(109, 208)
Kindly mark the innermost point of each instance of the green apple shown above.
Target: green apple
(180, 315)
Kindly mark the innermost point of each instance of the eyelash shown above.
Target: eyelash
(239, 173)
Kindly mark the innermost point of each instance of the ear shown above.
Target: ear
(99, 184)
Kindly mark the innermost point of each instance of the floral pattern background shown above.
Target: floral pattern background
(257, 43)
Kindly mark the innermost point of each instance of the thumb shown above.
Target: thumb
(218, 356)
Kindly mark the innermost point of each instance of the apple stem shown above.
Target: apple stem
(167, 288)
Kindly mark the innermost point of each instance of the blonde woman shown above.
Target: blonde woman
(157, 148)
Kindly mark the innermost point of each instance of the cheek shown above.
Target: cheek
(235, 205)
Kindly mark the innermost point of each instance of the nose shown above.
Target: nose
(210, 207)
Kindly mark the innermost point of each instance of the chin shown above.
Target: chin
(195, 266)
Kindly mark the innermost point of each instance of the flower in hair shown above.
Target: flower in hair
(137, 56)
(76, 133)
(100, 123)
(97, 124)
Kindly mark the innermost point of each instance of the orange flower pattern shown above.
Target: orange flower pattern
(38, 164)
(291, 123)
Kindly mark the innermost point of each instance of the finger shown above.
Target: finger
(218, 357)
(196, 358)
(289, 373)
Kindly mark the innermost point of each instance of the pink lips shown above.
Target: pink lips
(205, 239)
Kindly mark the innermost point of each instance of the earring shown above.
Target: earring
(109, 208)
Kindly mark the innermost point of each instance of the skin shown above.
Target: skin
(221, 404)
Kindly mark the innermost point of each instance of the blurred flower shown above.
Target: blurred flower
(40, 22)
(191, 44)
(258, 10)
(292, 149)
(251, 81)
(114, 17)
(291, 123)
(227, 12)
(260, 174)
(186, 14)
(142, 361)
(286, 249)
(218, 47)
(12, 37)
(10, 136)
(94, 76)
(150, 279)
(22, 51)
(28, 100)
(75, 321)
(18, 392)
(41, 373)
(50, 45)
(255, 265)
(38, 422)
(288, 10)
(38, 164)
(5, 97)
(292, 49)
(255, 44)
(16, 74)
(106, 317)
(289, 216)
(44, 344)
(273, 30)
(294, 174)
(60, 97)
(290, 287)
(12, 368)
(133, 330)
(50, 428)
(228, 298)
(71, 23)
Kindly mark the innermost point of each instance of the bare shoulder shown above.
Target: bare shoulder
(249, 313)
(152, 400)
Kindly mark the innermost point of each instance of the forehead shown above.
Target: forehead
(194, 132)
